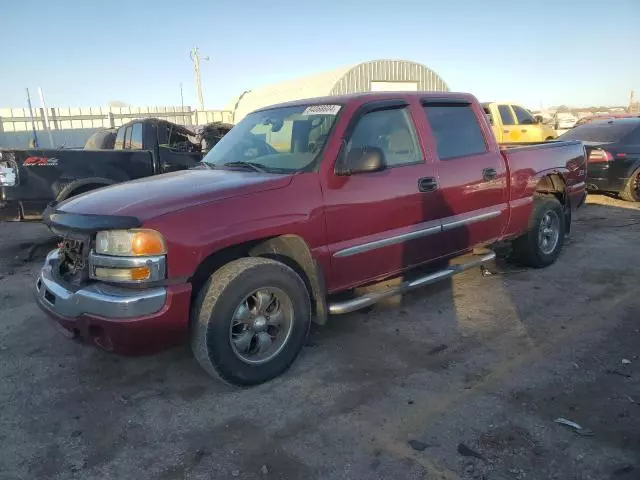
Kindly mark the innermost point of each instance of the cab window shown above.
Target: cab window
(119, 145)
(524, 117)
(456, 131)
(506, 115)
(136, 137)
(127, 138)
(392, 132)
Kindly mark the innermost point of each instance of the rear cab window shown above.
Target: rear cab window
(456, 130)
(506, 115)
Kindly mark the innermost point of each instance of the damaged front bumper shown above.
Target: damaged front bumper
(129, 321)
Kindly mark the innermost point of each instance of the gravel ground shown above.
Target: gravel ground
(457, 380)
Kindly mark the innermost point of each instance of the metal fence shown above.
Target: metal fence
(71, 127)
(19, 119)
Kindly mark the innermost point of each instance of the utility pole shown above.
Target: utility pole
(46, 115)
(33, 123)
(195, 58)
(632, 101)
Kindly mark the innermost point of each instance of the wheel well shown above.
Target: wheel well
(216, 260)
(75, 188)
(84, 189)
(554, 185)
(288, 249)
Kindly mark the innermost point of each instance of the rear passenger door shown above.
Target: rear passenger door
(472, 179)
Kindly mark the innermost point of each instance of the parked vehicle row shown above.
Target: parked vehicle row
(30, 179)
(299, 204)
(605, 116)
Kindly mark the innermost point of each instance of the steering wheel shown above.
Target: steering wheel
(254, 142)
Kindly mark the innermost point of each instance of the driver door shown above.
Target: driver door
(379, 223)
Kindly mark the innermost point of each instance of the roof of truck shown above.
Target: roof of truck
(372, 96)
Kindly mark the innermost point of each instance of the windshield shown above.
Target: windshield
(279, 140)
(600, 132)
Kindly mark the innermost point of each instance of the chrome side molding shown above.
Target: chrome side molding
(442, 226)
(365, 247)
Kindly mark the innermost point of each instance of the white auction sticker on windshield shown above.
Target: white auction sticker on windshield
(322, 110)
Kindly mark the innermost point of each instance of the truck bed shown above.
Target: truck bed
(43, 174)
(565, 158)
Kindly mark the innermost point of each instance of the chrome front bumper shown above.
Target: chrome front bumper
(96, 299)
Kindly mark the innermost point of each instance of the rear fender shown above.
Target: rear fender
(294, 252)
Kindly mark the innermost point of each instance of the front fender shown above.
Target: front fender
(295, 249)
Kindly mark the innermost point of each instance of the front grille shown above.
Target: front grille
(74, 263)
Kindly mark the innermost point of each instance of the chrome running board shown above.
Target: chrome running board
(368, 299)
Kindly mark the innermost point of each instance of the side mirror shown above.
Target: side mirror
(539, 118)
(363, 160)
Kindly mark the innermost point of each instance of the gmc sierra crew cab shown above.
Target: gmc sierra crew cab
(300, 202)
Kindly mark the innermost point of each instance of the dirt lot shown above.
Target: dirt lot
(410, 389)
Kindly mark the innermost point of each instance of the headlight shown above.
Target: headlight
(130, 256)
(130, 243)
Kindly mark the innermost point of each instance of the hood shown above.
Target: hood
(160, 194)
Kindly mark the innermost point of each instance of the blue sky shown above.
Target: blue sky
(86, 53)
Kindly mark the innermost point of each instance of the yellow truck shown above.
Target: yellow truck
(515, 124)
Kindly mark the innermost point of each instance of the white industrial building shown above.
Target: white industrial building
(375, 75)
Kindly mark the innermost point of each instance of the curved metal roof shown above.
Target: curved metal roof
(351, 79)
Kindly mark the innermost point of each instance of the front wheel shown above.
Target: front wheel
(631, 191)
(250, 321)
(541, 245)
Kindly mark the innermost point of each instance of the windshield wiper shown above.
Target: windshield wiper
(256, 167)
(200, 165)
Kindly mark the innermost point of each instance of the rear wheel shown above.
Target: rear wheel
(631, 191)
(250, 321)
(541, 245)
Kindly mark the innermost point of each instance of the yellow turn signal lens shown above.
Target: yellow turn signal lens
(147, 242)
(122, 274)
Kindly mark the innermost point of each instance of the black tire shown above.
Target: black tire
(631, 191)
(527, 248)
(213, 313)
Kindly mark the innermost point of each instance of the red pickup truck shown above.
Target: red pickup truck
(300, 202)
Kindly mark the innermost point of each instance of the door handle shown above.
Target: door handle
(489, 174)
(505, 131)
(524, 130)
(427, 184)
